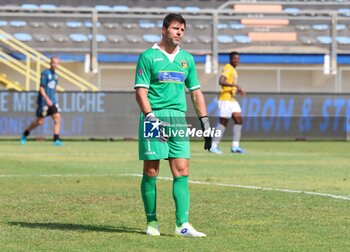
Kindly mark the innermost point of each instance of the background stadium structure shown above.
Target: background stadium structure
(286, 46)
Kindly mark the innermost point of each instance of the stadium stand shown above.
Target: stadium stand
(278, 21)
(117, 31)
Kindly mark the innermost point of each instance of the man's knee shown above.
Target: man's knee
(151, 168)
(237, 118)
(57, 117)
(223, 121)
(40, 121)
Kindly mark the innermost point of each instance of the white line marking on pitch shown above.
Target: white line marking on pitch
(253, 187)
(328, 195)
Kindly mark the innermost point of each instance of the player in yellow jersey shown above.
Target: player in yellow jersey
(229, 106)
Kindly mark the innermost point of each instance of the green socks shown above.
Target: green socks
(149, 197)
(181, 197)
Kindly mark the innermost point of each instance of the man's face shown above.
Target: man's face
(174, 34)
(235, 60)
(54, 63)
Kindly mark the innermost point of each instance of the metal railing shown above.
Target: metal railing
(40, 61)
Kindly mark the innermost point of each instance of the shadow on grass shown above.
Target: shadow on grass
(77, 227)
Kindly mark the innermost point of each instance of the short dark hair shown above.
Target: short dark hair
(173, 17)
(234, 53)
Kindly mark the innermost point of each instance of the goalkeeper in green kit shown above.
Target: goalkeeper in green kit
(162, 73)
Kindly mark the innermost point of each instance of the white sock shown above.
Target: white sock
(217, 139)
(236, 130)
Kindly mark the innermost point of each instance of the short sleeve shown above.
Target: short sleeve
(143, 72)
(43, 79)
(226, 71)
(192, 82)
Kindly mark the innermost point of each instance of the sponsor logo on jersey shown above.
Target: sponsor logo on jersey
(168, 76)
(139, 72)
(158, 59)
(52, 84)
(184, 64)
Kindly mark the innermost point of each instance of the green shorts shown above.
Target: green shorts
(178, 145)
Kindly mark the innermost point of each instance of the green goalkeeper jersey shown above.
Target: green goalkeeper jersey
(165, 76)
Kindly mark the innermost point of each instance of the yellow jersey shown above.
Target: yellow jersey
(229, 93)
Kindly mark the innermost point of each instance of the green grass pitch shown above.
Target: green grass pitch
(78, 198)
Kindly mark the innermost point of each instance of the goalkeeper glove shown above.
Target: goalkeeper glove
(206, 127)
(150, 117)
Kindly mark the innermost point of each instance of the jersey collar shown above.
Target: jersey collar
(172, 56)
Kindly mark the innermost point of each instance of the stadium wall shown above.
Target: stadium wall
(253, 77)
(105, 115)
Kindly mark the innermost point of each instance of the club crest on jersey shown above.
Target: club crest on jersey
(183, 64)
(140, 71)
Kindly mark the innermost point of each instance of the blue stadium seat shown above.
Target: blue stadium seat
(193, 9)
(120, 8)
(222, 26)
(47, 6)
(242, 39)
(24, 37)
(292, 11)
(341, 27)
(237, 26)
(225, 39)
(159, 23)
(74, 24)
(29, 6)
(320, 27)
(343, 40)
(174, 8)
(18, 23)
(103, 8)
(3, 23)
(324, 40)
(344, 12)
(78, 37)
(145, 24)
(88, 24)
(99, 38)
(151, 38)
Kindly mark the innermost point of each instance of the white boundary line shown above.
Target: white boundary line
(328, 195)
(253, 187)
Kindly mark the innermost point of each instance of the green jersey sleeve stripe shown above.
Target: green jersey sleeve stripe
(195, 87)
(141, 85)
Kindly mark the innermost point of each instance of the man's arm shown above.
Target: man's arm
(47, 99)
(199, 103)
(223, 82)
(142, 100)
